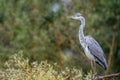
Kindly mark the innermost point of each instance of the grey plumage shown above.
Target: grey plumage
(96, 51)
(91, 47)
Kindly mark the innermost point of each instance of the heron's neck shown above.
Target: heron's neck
(81, 34)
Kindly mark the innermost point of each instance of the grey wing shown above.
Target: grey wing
(96, 51)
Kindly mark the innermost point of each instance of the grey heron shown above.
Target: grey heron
(91, 47)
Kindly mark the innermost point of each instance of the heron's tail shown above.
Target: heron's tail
(103, 64)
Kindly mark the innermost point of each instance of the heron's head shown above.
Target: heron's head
(77, 16)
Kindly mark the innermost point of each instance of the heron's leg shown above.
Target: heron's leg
(92, 66)
(93, 69)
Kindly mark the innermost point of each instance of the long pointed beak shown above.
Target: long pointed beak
(69, 17)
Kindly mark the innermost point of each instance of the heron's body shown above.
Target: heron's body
(88, 54)
(91, 47)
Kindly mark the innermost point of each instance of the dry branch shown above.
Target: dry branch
(107, 76)
(110, 56)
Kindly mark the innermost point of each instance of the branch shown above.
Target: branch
(107, 76)
(110, 56)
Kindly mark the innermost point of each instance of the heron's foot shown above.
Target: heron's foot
(94, 76)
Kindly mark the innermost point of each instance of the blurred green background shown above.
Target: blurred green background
(40, 29)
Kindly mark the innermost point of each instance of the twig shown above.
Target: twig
(107, 76)
(110, 58)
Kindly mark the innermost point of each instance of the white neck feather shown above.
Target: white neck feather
(81, 34)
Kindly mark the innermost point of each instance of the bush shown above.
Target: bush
(19, 68)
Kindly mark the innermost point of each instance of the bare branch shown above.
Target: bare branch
(107, 76)
(110, 56)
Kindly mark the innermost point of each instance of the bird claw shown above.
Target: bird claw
(94, 76)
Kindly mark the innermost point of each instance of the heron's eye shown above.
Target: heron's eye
(78, 15)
